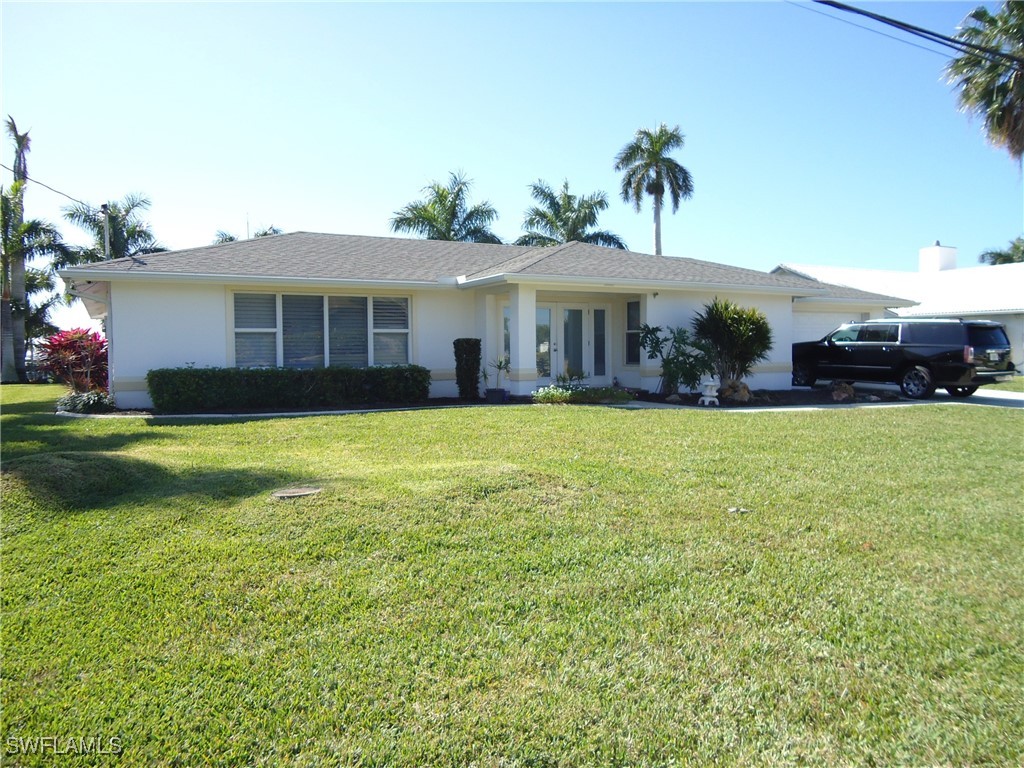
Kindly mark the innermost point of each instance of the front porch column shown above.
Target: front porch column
(522, 378)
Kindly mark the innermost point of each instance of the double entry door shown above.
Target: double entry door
(572, 340)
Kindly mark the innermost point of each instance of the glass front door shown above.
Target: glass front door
(570, 340)
(567, 339)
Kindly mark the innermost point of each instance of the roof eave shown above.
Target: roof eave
(254, 280)
(881, 301)
(639, 284)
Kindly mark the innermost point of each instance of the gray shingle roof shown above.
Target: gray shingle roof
(338, 258)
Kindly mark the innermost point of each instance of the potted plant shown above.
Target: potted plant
(497, 394)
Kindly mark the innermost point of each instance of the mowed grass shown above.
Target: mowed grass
(517, 586)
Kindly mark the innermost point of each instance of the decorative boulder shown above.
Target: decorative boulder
(843, 392)
(736, 391)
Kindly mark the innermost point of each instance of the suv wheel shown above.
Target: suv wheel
(917, 383)
(803, 375)
(961, 391)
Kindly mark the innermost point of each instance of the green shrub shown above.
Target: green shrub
(683, 360)
(736, 337)
(95, 401)
(561, 393)
(209, 390)
(468, 357)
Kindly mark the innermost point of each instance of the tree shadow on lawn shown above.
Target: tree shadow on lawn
(78, 481)
(31, 434)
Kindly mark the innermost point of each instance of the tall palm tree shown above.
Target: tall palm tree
(446, 215)
(650, 171)
(562, 218)
(1012, 255)
(130, 236)
(16, 262)
(991, 82)
(22, 241)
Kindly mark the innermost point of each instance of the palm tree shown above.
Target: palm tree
(991, 81)
(129, 236)
(563, 218)
(22, 242)
(223, 236)
(1012, 255)
(445, 215)
(16, 263)
(650, 171)
(40, 282)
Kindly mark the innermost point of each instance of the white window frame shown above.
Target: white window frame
(278, 331)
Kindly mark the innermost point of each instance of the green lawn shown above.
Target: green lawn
(1014, 385)
(517, 586)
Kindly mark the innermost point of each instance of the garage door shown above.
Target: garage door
(808, 326)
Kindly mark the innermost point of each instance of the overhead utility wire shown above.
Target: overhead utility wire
(866, 29)
(47, 186)
(962, 46)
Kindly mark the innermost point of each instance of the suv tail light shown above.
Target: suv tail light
(968, 354)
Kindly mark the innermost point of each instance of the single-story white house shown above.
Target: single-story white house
(937, 289)
(306, 299)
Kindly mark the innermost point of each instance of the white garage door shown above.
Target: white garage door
(808, 326)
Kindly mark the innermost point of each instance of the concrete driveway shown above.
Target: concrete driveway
(984, 396)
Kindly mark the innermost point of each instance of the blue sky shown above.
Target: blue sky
(809, 139)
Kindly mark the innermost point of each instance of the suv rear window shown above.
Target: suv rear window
(933, 333)
(884, 333)
(987, 336)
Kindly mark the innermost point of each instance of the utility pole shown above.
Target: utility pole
(106, 231)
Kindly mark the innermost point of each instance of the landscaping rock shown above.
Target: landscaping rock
(735, 391)
(843, 392)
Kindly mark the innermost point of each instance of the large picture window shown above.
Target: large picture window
(309, 331)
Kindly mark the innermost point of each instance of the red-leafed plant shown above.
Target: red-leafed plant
(77, 358)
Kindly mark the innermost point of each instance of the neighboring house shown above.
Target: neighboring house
(937, 289)
(306, 300)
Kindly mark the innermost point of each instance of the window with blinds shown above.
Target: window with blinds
(302, 323)
(255, 330)
(304, 331)
(390, 331)
(632, 333)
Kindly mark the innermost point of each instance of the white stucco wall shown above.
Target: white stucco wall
(678, 309)
(159, 325)
(438, 318)
(162, 325)
(167, 325)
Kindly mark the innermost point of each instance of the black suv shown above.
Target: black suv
(917, 354)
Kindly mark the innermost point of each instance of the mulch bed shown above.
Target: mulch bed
(761, 398)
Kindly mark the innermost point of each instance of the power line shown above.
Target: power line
(47, 186)
(866, 29)
(961, 46)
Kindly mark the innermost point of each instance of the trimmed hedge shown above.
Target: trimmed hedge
(211, 390)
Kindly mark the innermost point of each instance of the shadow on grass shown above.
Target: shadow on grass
(78, 481)
(30, 434)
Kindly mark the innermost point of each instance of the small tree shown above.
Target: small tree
(684, 360)
(737, 338)
(77, 358)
